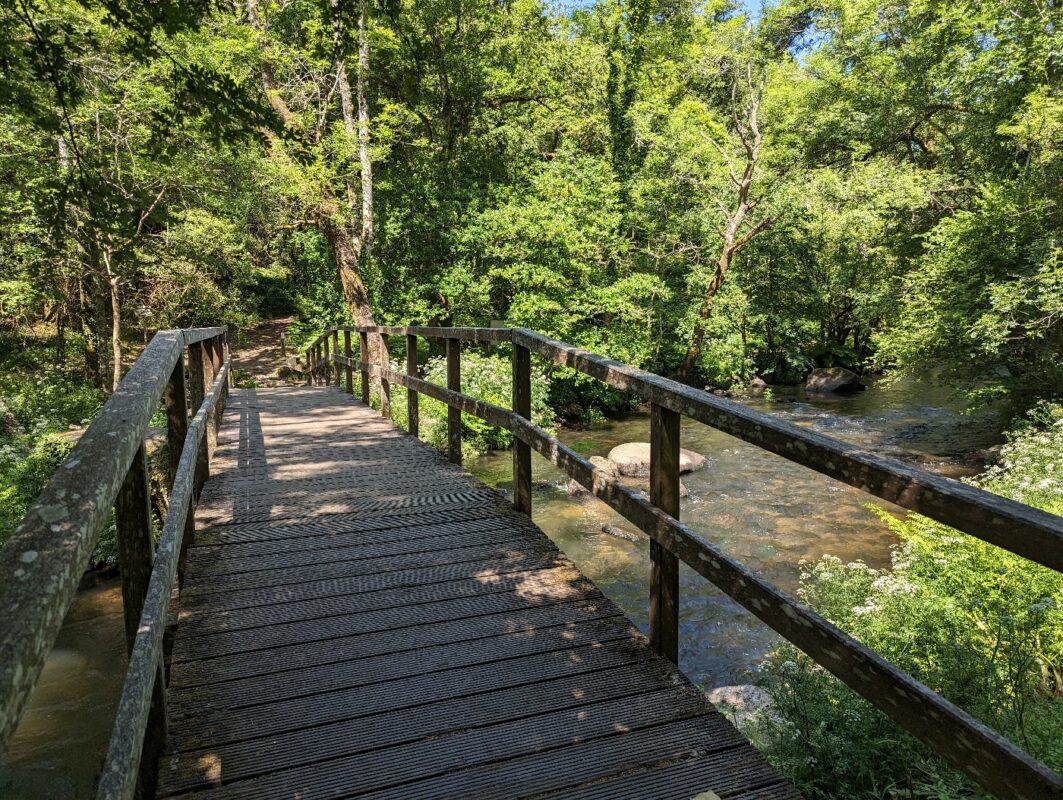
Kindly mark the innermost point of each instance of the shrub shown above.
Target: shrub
(977, 624)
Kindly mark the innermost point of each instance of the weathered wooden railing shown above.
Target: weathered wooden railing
(989, 758)
(108, 468)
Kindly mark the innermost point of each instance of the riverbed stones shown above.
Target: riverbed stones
(833, 379)
(633, 459)
(619, 533)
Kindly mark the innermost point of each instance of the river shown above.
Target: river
(760, 508)
(767, 512)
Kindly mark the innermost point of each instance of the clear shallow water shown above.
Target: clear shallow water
(58, 749)
(762, 509)
(768, 512)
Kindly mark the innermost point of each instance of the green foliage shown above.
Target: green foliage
(979, 625)
(39, 405)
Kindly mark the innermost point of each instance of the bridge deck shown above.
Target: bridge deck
(361, 618)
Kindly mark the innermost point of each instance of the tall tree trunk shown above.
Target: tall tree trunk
(747, 127)
(116, 321)
(363, 131)
(697, 338)
(345, 251)
(84, 324)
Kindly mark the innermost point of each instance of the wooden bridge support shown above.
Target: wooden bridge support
(326, 363)
(521, 450)
(413, 412)
(348, 369)
(664, 566)
(363, 351)
(197, 377)
(336, 351)
(454, 414)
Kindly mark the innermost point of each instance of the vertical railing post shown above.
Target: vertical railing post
(349, 369)
(413, 412)
(136, 555)
(309, 367)
(136, 548)
(176, 403)
(197, 371)
(219, 406)
(385, 384)
(363, 350)
(336, 352)
(454, 414)
(327, 364)
(522, 500)
(225, 353)
(664, 566)
(210, 372)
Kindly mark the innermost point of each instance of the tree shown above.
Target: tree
(306, 148)
(739, 221)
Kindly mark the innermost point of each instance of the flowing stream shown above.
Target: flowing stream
(760, 508)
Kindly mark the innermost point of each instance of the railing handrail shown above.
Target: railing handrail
(991, 759)
(42, 564)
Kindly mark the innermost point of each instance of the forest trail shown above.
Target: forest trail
(260, 356)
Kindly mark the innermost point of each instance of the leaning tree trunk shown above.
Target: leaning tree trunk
(345, 251)
(697, 338)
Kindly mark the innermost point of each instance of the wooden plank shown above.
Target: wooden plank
(357, 670)
(734, 775)
(475, 696)
(390, 556)
(709, 737)
(365, 767)
(481, 621)
(528, 717)
(387, 608)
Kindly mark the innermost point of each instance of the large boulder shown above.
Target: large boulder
(633, 459)
(833, 379)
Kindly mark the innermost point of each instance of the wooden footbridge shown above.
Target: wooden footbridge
(335, 610)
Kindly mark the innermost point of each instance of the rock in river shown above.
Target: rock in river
(603, 465)
(833, 379)
(633, 459)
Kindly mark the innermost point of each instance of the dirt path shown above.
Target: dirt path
(260, 356)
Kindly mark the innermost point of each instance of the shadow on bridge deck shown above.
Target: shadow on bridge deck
(361, 618)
